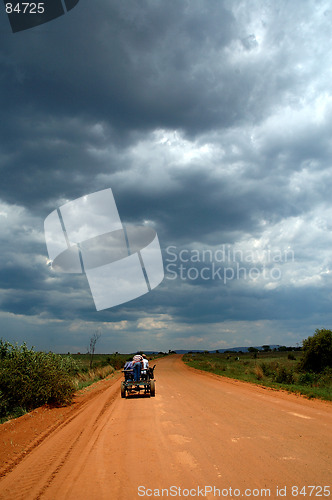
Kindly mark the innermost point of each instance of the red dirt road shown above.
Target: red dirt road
(200, 431)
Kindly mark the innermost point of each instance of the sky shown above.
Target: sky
(211, 122)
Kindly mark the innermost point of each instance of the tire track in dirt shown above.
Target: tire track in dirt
(46, 458)
(71, 412)
(59, 449)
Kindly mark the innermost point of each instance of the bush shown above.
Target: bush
(307, 378)
(114, 360)
(270, 368)
(266, 368)
(325, 377)
(317, 351)
(29, 379)
(258, 372)
(284, 376)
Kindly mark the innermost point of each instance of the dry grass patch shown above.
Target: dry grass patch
(85, 378)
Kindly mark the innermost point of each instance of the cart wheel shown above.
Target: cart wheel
(123, 390)
(152, 388)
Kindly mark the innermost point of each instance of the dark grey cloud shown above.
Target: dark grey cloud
(131, 65)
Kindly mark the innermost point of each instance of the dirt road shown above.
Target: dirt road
(200, 432)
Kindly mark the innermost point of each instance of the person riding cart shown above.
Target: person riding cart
(128, 369)
(145, 369)
(137, 366)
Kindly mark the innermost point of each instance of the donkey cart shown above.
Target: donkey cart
(146, 385)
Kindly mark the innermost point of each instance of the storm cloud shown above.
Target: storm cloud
(211, 121)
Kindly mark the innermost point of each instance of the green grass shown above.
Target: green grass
(99, 360)
(14, 413)
(270, 369)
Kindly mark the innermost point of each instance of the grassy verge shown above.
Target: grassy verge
(278, 370)
(98, 361)
(84, 379)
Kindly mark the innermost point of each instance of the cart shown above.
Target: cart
(146, 385)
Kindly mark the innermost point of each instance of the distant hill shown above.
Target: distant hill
(228, 349)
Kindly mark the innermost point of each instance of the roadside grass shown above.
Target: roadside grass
(14, 413)
(115, 360)
(278, 370)
(86, 378)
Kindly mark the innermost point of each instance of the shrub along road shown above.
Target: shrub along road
(199, 431)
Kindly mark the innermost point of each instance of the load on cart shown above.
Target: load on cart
(138, 376)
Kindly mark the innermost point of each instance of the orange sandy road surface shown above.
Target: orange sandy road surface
(200, 430)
